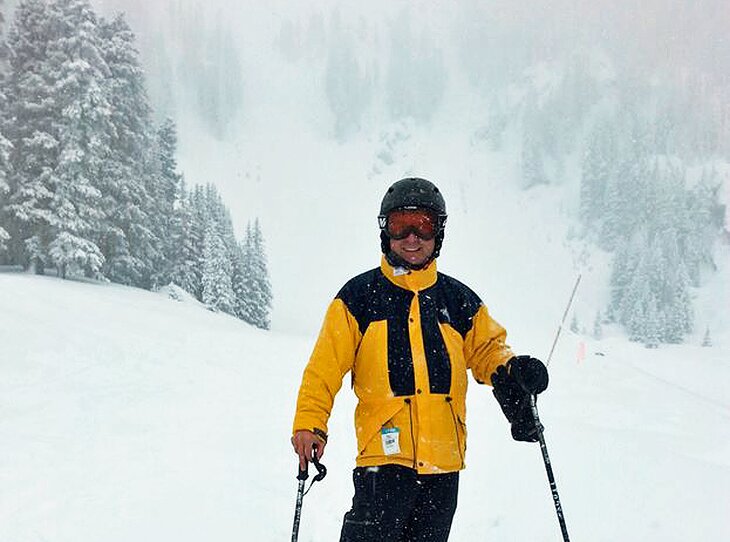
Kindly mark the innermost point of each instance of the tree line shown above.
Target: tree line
(649, 185)
(89, 183)
(658, 217)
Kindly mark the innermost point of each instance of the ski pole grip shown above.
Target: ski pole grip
(303, 474)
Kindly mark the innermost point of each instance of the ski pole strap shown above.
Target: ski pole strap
(321, 472)
(303, 474)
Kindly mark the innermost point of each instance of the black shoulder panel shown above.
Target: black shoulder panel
(456, 304)
(371, 297)
(355, 295)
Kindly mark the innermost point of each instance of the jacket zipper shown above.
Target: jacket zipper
(456, 429)
(413, 438)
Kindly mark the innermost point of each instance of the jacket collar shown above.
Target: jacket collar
(408, 279)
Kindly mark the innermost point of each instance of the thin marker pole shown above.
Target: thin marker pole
(560, 327)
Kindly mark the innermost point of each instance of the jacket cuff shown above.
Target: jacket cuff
(321, 434)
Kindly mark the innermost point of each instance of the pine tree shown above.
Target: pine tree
(597, 170)
(707, 340)
(673, 286)
(5, 145)
(78, 73)
(217, 291)
(652, 327)
(184, 259)
(166, 208)
(33, 134)
(574, 324)
(240, 277)
(701, 219)
(4, 189)
(127, 239)
(632, 299)
(244, 283)
(625, 263)
(598, 327)
(263, 295)
(196, 233)
(531, 162)
(256, 297)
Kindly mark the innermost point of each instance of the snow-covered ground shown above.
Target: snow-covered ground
(128, 416)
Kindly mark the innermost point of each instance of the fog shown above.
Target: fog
(303, 112)
(490, 38)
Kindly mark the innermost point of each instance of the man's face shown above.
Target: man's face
(413, 249)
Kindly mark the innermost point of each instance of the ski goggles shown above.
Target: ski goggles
(424, 223)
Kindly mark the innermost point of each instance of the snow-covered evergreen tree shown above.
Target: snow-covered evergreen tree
(167, 215)
(198, 219)
(4, 188)
(574, 324)
(532, 164)
(78, 74)
(598, 327)
(30, 124)
(651, 327)
(217, 288)
(5, 145)
(257, 290)
(127, 239)
(87, 183)
(598, 166)
(185, 261)
(707, 339)
(673, 285)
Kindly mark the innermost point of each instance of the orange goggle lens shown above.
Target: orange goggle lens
(400, 224)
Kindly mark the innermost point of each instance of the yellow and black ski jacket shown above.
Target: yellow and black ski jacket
(407, 337)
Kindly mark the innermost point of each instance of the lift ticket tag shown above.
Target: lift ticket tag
(391, 444)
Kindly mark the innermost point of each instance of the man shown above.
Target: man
(408, 334)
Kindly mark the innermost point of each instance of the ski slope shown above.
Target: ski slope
(128, 416)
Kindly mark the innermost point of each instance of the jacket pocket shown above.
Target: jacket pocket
(445, 433)
(371, 418)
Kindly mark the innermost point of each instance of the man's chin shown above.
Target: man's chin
(420, 260)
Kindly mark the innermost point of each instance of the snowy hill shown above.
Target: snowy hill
(126, 416)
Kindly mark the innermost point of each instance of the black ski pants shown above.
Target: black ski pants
(396, 504)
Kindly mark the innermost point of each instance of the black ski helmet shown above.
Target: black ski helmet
(412, 193)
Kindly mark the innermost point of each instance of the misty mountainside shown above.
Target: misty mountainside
(608, 148)
(303, 115)
(130, 415)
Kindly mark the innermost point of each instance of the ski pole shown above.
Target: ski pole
(302, 475)
(549, 470)
(541, 435)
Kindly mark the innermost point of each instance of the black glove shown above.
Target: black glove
(530, 373)
(514, 384)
